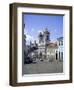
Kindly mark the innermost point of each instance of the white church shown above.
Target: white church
(46, 49)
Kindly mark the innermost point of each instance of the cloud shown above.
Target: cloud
(40, 31)
(32, 29)
(25, 31)
(29, 37)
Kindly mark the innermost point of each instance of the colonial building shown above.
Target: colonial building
(51, 51)
(44, 40)
(60, 48)
(45, 50)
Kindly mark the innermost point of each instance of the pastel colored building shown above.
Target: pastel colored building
(60, 49)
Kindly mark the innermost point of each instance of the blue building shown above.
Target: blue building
(60, 49)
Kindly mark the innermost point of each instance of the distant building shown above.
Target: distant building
(60, 48)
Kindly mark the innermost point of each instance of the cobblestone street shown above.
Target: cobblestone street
(43, 67)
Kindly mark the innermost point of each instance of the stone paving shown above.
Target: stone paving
(43, 67)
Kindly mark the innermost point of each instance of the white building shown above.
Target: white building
(46, 48)
(44, 40)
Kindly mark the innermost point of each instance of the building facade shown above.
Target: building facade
(45, 50)
(51, 51)
(44, 40)
(60, 48)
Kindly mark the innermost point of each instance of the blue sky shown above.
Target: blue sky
(36, 23)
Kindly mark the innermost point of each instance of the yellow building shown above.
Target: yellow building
(52, 51)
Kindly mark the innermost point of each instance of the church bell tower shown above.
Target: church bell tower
(46, 35)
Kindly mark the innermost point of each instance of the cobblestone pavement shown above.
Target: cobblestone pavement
(43, 67)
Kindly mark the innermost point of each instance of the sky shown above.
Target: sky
(35, 23)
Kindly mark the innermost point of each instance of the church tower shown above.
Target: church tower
(40, 38)
(46, 35)
(44, 40)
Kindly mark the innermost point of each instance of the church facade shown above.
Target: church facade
(46, 47)
(45, 50)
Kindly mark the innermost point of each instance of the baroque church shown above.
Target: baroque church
(45, 47)
(44, 50)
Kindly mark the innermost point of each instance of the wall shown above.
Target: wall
(4, 46)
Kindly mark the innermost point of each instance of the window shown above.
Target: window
(61, 42)
(62, 55)
(56, 55)
(59, 55)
